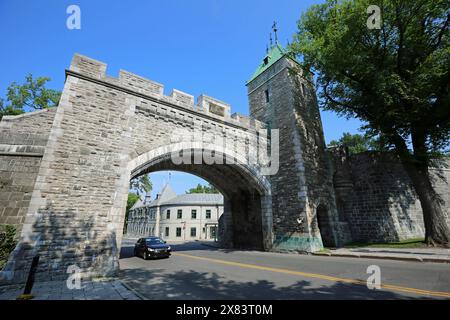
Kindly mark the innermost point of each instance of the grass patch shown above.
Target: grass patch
(7, 243)
(410, 243)
(324, 250)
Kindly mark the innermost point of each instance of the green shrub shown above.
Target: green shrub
(7, 242)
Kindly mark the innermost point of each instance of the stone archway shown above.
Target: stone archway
(106, 129)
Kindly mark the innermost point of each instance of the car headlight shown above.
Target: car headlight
(151, 250)
(169, 248)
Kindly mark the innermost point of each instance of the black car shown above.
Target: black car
(152, 247)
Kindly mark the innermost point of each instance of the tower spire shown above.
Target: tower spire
(271, 42)
(275, 29)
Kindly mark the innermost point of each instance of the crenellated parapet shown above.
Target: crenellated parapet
(206, 105)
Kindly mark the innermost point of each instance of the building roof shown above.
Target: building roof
(138, 204)
(275, 53)
(168, 197)
(195, 199)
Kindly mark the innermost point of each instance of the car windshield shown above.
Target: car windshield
(154, 241)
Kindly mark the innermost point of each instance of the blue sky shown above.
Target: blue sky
(179, 181)
(197, 46)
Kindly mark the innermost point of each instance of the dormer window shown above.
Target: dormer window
(266, 60)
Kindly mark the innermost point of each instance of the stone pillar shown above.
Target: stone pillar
(267, 223)
(225, 226)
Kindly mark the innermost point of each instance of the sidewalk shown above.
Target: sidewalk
(406, 254)
(57, 290)
(439, 255)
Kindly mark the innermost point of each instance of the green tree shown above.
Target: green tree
(132, 199)
(357, 143)
(8, 110)
(7, 242)
(395, 79)
(31, 95)
(203, 189)
(141, 184)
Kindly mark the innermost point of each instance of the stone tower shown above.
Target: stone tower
(282, 95)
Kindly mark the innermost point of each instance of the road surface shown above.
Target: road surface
(200, 272)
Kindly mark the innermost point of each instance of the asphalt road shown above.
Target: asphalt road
(196, 271)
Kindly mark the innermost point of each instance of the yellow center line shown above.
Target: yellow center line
(317, 276)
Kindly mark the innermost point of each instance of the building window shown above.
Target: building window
(167, 231)
(193, 232)
(179, 214)
(208, 214)
(266, 61)
(266, 93)
(168, 214)
(194, 214)
(204, 230)
(178, 232)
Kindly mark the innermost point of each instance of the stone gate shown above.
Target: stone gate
(65, 171)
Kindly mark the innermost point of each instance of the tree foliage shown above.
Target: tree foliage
(358, 143)
(132, 199)
(395, 79)
(203, 189)
(141, 184)
(31, 95)
(7, 243)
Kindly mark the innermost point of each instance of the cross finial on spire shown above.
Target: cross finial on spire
(275, 29)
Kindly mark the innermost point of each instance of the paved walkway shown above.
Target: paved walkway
(57, 290)
(406, 254)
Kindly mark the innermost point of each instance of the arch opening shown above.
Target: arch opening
(324, 225)
(246, 220)
(172, 213)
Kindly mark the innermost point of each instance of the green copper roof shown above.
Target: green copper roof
(275, 53)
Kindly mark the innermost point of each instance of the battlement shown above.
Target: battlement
(206, 105)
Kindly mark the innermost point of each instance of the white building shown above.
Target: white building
(176, 217)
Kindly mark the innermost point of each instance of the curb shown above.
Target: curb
(355, 255)
(366, 256)
(140, 296)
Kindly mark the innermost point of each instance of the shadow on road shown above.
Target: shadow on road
(193, 285)
(162, 284)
